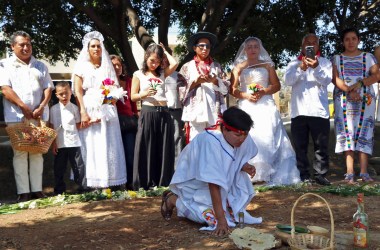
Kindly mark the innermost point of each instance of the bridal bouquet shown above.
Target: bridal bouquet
(254, 88)
(112, 92)
(155, 83)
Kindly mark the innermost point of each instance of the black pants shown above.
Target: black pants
(64, 155)
(319, 129)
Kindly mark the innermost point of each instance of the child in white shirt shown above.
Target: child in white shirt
(65, 119)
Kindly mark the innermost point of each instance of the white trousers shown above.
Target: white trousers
(197, 128)
(25, 173)
(28, 169)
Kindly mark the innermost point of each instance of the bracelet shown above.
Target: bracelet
(42, 106)
(139, 97)
(361, 83)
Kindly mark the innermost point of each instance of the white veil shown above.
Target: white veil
(106, 64)
(241, 56)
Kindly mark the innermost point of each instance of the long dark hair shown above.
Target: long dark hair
(153, 48)
(123, 75)
(348, 30)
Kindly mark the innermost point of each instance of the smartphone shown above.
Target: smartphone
(310, 53)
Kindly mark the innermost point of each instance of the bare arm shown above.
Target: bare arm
(274, 84)
(337, 81)
(78, 85)
(173, 64)
(222, 226)
(11, 96)
(37, 113)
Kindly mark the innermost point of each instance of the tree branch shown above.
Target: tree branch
(164, 21)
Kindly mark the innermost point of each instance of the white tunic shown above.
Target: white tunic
(209, 158)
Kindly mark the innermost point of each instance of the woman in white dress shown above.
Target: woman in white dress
(102, 146)
(275, 162)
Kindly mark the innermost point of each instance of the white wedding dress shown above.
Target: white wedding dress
(276, 161)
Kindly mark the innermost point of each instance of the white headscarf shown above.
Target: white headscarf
(241, 56)
(106, 64)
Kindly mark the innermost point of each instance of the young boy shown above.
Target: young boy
(65, 119)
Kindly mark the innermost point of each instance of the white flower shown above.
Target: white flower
(59, 199)
(32, 205)
(117, 93)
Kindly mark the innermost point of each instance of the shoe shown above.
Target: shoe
(321, 180)
(366, 178)
(38, 195)
(350, 179)
(165, 211)
(23, 197)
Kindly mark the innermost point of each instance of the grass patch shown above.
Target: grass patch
(64, 199)
(342, 190)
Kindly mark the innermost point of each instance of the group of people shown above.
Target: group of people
(211, 184)
(210, 180)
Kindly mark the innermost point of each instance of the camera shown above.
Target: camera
(310, 53)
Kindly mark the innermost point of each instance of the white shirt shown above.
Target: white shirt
(64, 120)
(29, 82)
(145, 83)
(171, 91)
(309, 88)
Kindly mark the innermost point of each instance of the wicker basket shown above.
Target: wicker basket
(31, 138)
(311, 241)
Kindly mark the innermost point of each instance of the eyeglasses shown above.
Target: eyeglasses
(203, 45)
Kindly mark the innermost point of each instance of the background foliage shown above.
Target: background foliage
(57, 26)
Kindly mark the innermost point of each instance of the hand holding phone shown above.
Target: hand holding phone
(310, 53)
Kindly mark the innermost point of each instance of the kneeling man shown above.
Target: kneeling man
(211, 183)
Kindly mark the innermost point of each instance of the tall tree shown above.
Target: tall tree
(57, 26)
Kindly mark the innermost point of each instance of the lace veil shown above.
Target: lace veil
(106, 64)
(241, 56)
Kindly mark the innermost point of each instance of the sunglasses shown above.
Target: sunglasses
(203, 46)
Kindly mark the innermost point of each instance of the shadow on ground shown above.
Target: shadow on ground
(8, 192)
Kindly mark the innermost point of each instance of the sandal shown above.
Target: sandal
(349, 178)
(165, 211)
(366, 178)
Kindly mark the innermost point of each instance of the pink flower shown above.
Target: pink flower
(108, 81)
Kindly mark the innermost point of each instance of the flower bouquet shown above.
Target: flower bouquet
(155, 83)
(111, 92)
(254, 88)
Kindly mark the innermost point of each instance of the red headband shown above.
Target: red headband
(242, 132)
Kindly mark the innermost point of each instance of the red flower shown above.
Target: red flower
(108, 81)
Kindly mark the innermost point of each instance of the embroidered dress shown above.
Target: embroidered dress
(217, 163)
(354, 120)
(203, 104)
(276, 161)
(102, 146)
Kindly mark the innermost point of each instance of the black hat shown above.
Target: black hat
(201, 34)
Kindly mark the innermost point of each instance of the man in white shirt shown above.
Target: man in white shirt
(26, 87)
(309, 77)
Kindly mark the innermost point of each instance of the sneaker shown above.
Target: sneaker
(321, 180)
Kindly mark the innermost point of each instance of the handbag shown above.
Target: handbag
(128, 123)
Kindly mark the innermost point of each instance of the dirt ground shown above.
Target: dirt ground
(137, 223)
